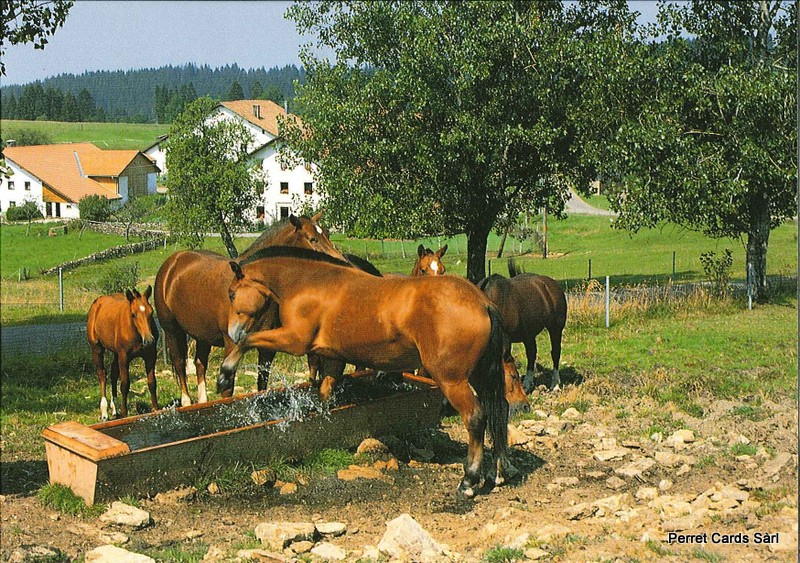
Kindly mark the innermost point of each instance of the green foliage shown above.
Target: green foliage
(213, 183)
(27, 136)
(25, 212)
(118, 277)
(500, 554)
(31, 21)
(134, 210)
(740, 448)
(439, 117)
(178, 552)
(94, 208)
(62, 499)
(718, 271)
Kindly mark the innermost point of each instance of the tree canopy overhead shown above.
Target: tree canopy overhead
(30, 21)
(443, 117)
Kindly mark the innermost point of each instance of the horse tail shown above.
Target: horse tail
(512, 268)
(483, 283)
(490, 384)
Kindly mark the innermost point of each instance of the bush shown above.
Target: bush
(25, 136)
(118, 278)
(718, 270)
(25, 212)
(94, 208)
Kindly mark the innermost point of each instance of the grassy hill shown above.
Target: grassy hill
(104, 135)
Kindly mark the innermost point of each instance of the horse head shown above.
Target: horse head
(248, 303)
(515, 393)
(309, 234)
(429, 262)
(141, 313)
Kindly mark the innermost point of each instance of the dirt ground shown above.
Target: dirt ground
(709, 484)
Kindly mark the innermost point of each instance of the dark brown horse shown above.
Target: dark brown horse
(443, 323)
(429, 263)
(123, 323)
(529, 303)
(191, 298)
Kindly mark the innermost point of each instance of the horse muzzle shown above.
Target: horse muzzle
(237, 332)
(148, 340)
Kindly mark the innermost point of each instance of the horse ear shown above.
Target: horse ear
(441, 251)
(237, 269)
(421, 251)
(129, 295)
(136, 293)
(296, 222)
(318, 216)
(148, 292)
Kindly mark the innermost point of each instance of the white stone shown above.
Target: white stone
(114, 554)
(535, 554)
(277, 535)
(636, 469)
(331, 528)
(405, 539)
(608, 455)
(122, 514)
(329, 552)
(571, 414)
(646, 493)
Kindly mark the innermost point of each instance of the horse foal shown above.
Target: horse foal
(123, 323)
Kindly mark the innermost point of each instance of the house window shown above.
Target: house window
(27, 186)
(308, 188)
(48, 209)
(10, 185)
(285, 188)
(284, 212)
(12, 204)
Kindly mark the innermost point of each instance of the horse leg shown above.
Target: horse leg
(462, 396)
(555, 354)
(265, 358)
(178, 349)
(124, 383)
(201, 354)
(114, 378)
(280, 338)
(149, 358)
(99, 363)
(529, 381)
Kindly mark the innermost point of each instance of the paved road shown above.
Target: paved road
(579, 207)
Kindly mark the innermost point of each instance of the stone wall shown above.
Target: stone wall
(109, 254)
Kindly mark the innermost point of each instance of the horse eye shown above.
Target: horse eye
(231, 295)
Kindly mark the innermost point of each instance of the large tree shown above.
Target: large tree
(213, 183)
(30, 21)
(706, 133)
(442, 117)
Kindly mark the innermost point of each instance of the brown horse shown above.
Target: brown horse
(123, 323)
(429, 263)
(191, 298)
(529, 303)
(443, 323)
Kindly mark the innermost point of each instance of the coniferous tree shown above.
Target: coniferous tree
(235, 92)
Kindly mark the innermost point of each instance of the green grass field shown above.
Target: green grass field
(104, 135)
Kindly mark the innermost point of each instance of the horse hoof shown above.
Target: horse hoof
(555, 389)
(468, 492)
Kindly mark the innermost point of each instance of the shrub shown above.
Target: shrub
(119, 277)
(25, 136)
(94, 208)
(25, 212)
(718, 270)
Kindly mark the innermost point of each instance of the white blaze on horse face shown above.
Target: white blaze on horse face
(435, 267)
(141, 308)
(319, 229)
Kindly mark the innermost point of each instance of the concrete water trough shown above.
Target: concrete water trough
(143, 455)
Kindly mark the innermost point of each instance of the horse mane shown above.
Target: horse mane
(364, 265)
(266, 237)
(291, 252)
(484, 283)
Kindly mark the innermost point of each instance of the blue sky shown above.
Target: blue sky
(128, 35)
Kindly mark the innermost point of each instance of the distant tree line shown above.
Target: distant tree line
(51, 104)
(154, 94)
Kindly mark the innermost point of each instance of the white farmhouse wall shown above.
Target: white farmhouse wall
(294, 179)
(157, 153)
(260, 136)
(122, 185)
(18, 195)
(151, 183)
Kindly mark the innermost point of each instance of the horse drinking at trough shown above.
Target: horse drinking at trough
(443, 323)
(123, 324)
(191, 298)
(529, 303)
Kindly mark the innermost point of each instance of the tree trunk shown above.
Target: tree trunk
(757, 242)
(227, 240)
(502, 243)
(477, 241)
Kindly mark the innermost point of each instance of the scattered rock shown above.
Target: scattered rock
(776, 464)
(612, 504)
(405, 539)
(193, 534)
(302, 546)
(215, 553)
(683, 470)
(359, 472)
(109, 536)
(329, 551)
(646, 493)
(636, 469)
(689, 522)
(277, 535)
(571, 414)
(264, 477)
(213, 488)
(535, 554)
(26, 553)
(288, 489)
(615, 482)
(517, 437)
(331, 528)
(121, 514)
(114, 554)
(259, 555)
(372, 446)
(664, 485)
(566, 481)
(674, 460)
(608, 455)
(178, 495)
(580, 511)
(392, 465)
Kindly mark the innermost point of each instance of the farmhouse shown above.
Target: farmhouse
(57, 176)
(289, 188)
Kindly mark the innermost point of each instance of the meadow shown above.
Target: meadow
(137, 136)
